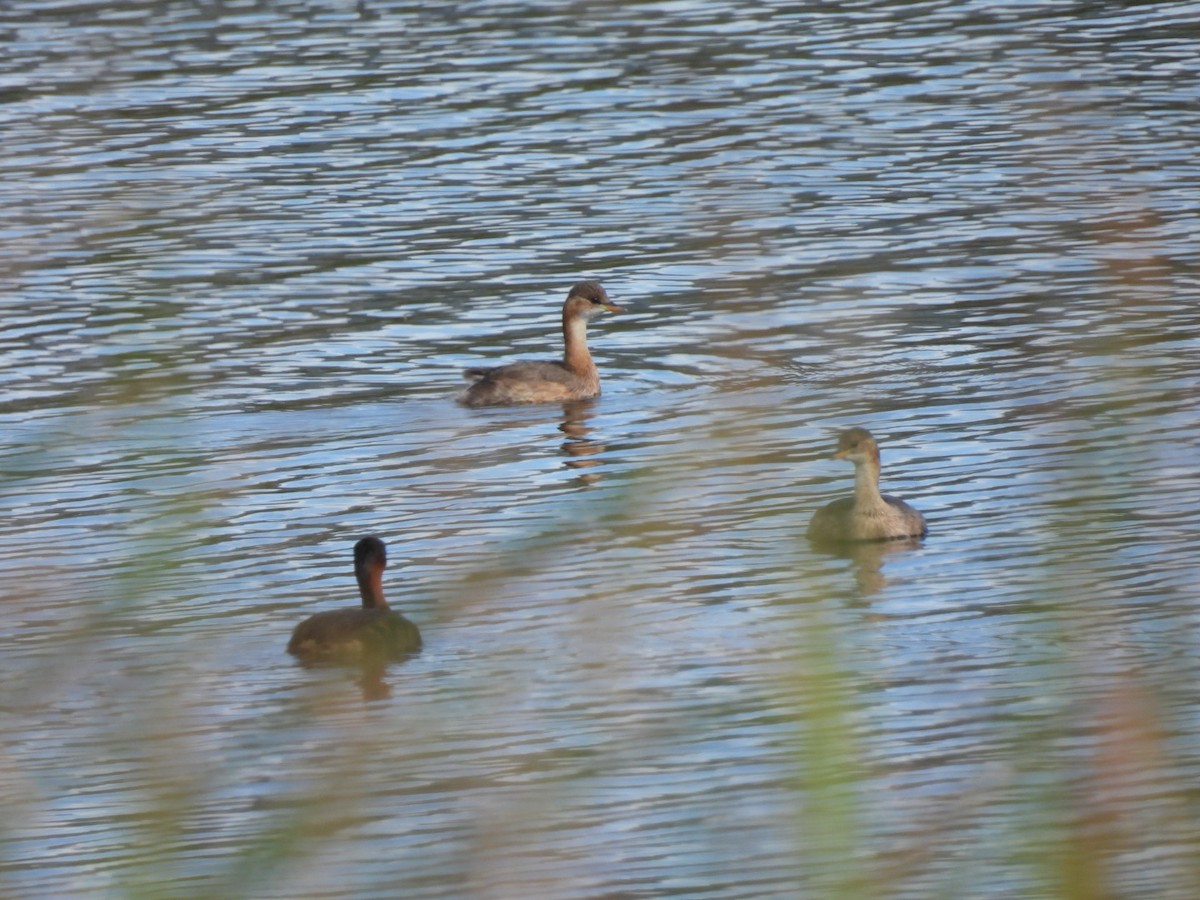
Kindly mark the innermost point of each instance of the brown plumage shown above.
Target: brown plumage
(372, 633)
(868, 515)
(529, 381)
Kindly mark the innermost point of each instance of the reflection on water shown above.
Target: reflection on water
(869, 558)
(583, 450)
(248, 249)
(373, 683)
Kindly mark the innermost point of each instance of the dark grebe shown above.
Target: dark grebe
(529, 381)
(371, 633)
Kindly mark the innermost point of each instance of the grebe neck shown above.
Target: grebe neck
(575, 354)
(866, 482)
(370, 586)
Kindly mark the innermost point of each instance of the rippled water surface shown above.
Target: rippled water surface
(247, 248)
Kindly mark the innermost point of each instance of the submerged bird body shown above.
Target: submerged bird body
(868, 515)
(574, 377)
(374, 632)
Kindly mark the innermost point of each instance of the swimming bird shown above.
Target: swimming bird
(374, 632)
(868, 515)
(532, 381)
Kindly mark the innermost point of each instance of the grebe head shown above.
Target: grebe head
(587, 299)
(369, 553)
(856, 445)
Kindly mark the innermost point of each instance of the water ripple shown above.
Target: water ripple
(249, 248)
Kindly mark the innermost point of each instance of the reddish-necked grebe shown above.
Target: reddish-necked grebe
(868, 515)
(373, 632)
(529, 381)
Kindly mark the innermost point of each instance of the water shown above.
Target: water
(248, 247)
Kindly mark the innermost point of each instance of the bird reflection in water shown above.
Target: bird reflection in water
(868, 559)
(372, 684)
(582, 449)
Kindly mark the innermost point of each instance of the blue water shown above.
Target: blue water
(248, 248)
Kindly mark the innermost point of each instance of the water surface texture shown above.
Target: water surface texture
(248, 246)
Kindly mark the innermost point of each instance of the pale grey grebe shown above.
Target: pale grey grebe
(529, 381)
(373, 632)
(868, 515)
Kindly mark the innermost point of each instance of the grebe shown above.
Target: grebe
(374, 632)
(530, 381)
(868, 515)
